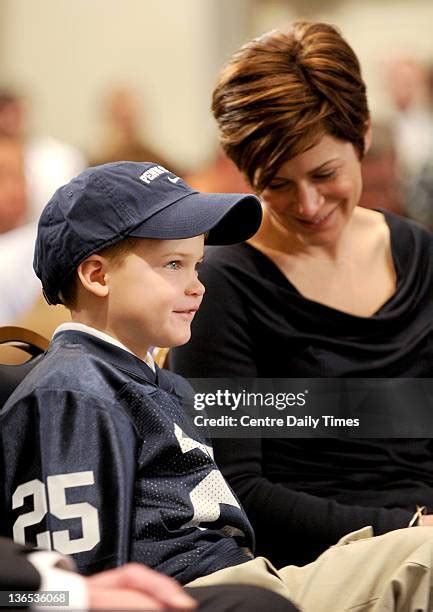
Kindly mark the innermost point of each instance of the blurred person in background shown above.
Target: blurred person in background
(122, 139)
(381, 187)
(13, 196)
(411, 95)
(220, 175)
(326, 289)
(20, 288)
(410, 84)
(419, 196)
(31, 169)
(48, 162)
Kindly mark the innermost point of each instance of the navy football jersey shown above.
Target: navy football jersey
(100, 461)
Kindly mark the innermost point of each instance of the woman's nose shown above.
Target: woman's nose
(309, 200)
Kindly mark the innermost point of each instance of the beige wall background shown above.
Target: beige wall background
(65, 53)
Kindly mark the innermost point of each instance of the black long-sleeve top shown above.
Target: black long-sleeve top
(303, 494)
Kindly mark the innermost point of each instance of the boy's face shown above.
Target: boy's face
(154, 293)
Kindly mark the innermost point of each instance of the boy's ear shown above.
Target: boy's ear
(92, 274)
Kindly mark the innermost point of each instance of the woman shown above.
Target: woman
(325, 289)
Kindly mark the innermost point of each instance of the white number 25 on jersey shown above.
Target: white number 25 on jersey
(53, 495)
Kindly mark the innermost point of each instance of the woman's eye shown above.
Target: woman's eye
(324, 175)
(278, 186)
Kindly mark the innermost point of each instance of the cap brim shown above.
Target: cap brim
(227, 218)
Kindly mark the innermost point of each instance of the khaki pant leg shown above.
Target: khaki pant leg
(259, 572)
(392, 572)
(389, 572)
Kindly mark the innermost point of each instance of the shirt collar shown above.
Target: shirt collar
(81, 327)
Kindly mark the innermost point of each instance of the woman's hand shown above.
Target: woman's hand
(136, 586)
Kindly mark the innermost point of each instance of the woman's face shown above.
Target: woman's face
(313, 195)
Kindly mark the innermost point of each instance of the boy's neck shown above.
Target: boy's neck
(143, 354)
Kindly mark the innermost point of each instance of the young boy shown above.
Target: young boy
(103, 434)
(100, 458)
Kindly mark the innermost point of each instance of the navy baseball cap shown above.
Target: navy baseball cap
(105, 204)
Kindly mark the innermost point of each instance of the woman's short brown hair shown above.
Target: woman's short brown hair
(281, 92)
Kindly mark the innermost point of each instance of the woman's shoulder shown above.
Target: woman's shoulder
(369, 220)
(380, 223)
(386, 233)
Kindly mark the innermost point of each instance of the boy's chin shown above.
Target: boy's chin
(181, 339)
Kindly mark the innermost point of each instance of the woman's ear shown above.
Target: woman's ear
(368, 137)
(92, 275)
